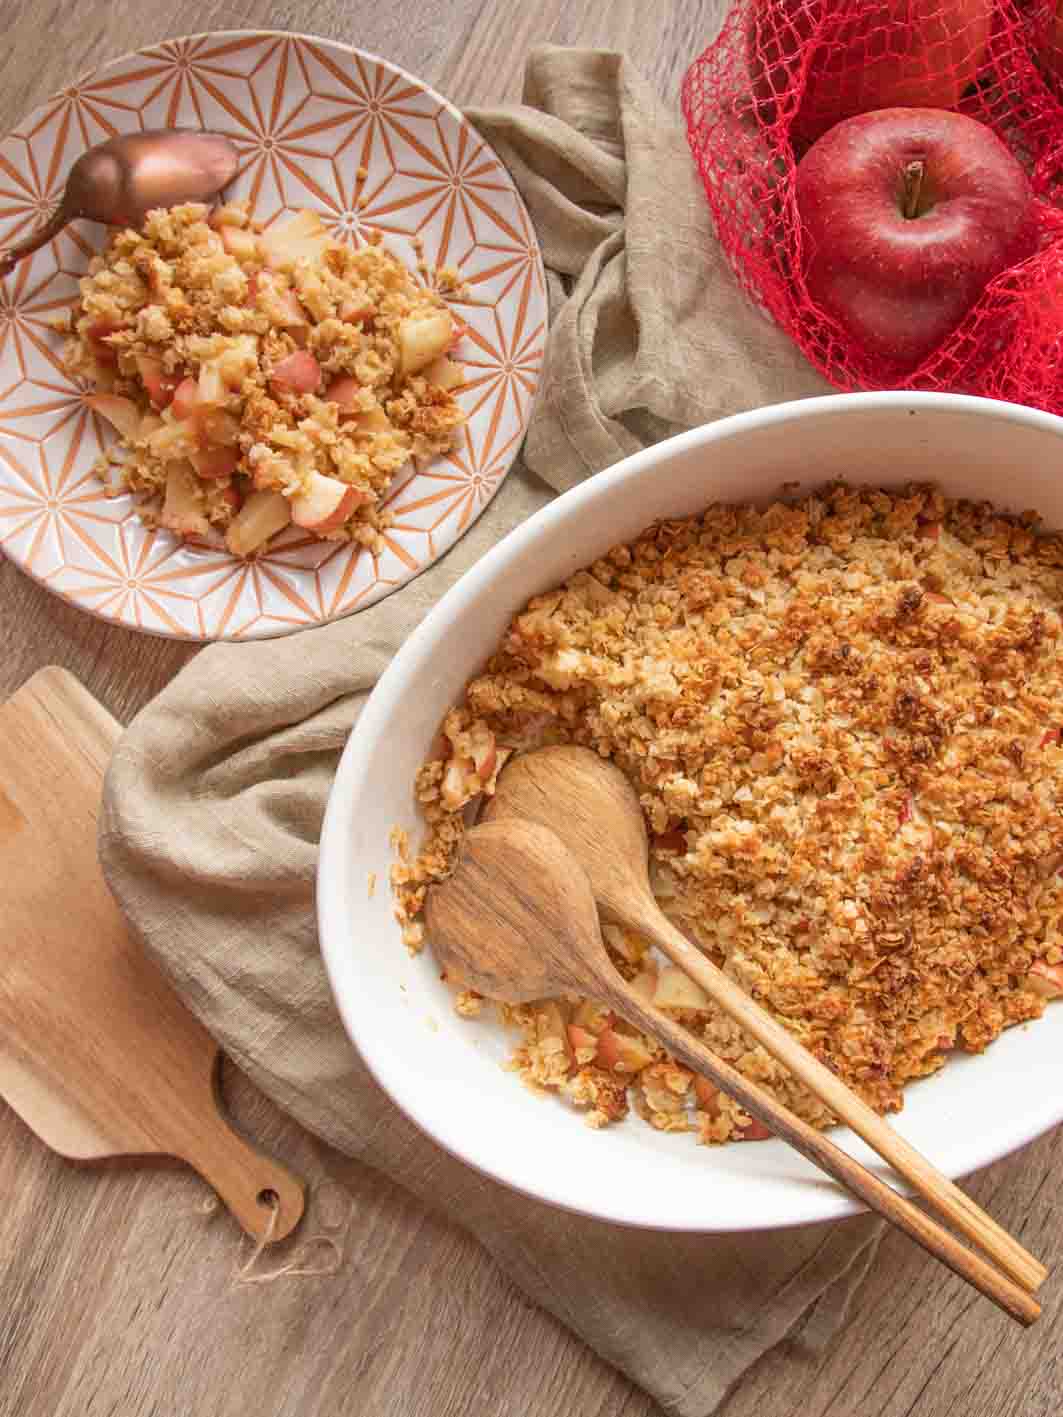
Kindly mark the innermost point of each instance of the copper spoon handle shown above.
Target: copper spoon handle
(10, 258)
(825, 1154)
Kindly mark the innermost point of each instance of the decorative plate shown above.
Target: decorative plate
(306, 115)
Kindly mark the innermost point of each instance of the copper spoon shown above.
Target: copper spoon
(120, 181)
(517, 920)
(594, 811)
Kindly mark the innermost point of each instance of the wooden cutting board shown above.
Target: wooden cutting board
(97, 1053)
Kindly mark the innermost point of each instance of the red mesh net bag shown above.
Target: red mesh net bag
(783, 72)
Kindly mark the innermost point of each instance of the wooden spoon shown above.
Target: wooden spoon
(594, 811)
(518, 921)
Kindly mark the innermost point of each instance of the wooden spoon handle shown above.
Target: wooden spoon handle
(822, 1152)
(949, 1201)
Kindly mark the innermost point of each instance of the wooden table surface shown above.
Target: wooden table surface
(117, 1293)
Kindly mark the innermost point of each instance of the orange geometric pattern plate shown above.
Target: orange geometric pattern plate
(306, 114)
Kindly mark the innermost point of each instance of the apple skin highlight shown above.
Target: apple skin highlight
(935, 51)
(907, 214)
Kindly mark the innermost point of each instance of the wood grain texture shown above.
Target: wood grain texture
(117, 1295)
(98, 1055)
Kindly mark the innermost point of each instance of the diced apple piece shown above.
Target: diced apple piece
(595, 1018)
(293, 312)
(930, 531)
(238, 361)
(707, 1094)
(120, 413)
(174, 440)
(185, 399)
(282, 307)
(621, 1053)
(484, 751)
(676, 990)
(298, 373)
(160, 385)
(438, 749)
(219, 426)
(211, 388)
(550, 1024)
(674, 841)
(356, 312)
(373, 420)
(302, 237)
(422, 340)
(346, 392)
(241, 243)
(1045, 979)
(625, 942)
(326, 504)
(581, 1037)
(443, 373)
(645, 982)
(273, 473)
(97, 335)
(1051, 735)
(755, 1131)
(261, 516)
(455, 789)
(181, 512)
(216, 462)
(230, 214)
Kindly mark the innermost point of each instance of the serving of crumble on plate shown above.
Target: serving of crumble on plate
(393, 173)
(260, 380)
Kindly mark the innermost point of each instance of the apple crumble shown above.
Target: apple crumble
(842, 717)
(262, 378)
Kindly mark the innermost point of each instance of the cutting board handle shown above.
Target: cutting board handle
(98, 1055)
(253, 1186)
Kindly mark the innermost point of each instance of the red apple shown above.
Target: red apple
(1051, 49)
(875, 54)
(907, 214)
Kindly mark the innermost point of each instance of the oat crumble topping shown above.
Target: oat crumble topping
(260, 378)
(843, 720)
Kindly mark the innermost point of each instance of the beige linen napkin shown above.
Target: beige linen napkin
(215, 796)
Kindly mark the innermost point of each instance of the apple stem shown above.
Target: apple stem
(914, 173)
